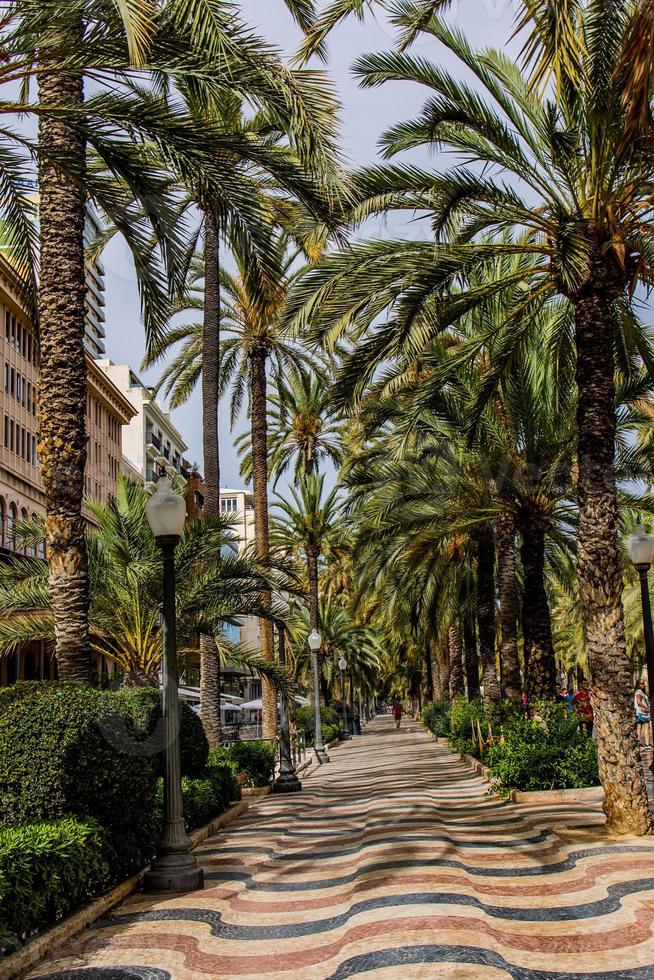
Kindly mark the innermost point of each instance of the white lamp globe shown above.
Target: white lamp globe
(342, 664)
(166, 511)
(640, 547)
(315, 640)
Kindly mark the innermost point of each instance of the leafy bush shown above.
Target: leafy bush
(223, 773)
(256, 759)
(67, 749)
(463, 715)
(46, 869)
(436, 717)
(330, 733)
(305, 718)
(545, 752)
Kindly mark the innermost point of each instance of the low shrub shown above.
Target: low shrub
(463, 720)
(436, 717)
(204, 797)
(47, 869)
(68, 749)
(542, 753)
(256, 759)
(330, 733)
(223, 773)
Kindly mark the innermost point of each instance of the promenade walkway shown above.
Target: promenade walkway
(393, 863)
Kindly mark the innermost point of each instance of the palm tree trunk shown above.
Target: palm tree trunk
(429, 664)
(470, 656)
(486, 613)
(508, 592)
(312, 574)
(259, 421)
(599, 564)
(457, 685)
(540, 662)
(209, 656)
(62, 373)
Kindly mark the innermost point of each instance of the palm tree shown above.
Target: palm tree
(111, 41)
(254, 339)
(215, 587)
(302, 429)
(585, 233)
(303, 525)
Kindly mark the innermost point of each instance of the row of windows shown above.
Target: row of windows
(104, 420)
(20, 441)
(229, 505)
(93, 489)
(20, 388)
(19, 337)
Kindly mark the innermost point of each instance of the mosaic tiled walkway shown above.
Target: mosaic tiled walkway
(393, 863)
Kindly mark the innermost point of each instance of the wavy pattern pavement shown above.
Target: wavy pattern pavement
(393, 862)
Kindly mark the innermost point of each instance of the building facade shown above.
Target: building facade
(21, 486)
(152, 446)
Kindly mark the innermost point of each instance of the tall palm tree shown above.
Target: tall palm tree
(304, 524)
(255, 341)
(72, 41)
(587, 233)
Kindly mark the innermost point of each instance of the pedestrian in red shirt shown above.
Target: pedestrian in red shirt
(583, 706)
(397, 714)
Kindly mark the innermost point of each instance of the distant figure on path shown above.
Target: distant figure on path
(397, 714)
(643, 714)
(583, 705)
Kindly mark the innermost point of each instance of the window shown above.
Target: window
(6, 432)
(11, 434)
(7, 327)
(12, 385)
(11, 526)
(7, 376)
(229, 505)
(3, 521)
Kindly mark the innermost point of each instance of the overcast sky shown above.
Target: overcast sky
(365, 114)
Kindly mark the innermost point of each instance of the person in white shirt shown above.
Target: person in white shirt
(643, 716)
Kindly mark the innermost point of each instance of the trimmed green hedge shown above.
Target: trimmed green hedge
(46, 870)
(67, 749)
(436, 717)
(305, 718)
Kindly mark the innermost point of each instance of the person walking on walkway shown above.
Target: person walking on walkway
(643, 715)
(397, 714)
(583, 705)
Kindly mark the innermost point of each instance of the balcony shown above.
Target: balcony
(153, 443)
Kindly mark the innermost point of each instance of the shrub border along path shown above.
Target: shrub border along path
(51, 939)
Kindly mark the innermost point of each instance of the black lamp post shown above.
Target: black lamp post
(641, 551)
(315, 642)
(342, 666)
(287, 781)
(352, 730)
(175, 869)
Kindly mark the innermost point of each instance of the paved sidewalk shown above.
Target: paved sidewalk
(393, 863)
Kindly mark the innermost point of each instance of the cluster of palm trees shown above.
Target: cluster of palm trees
(485, 385)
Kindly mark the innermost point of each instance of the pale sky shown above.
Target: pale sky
(365, 114)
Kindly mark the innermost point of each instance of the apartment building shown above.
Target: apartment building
(21, 486)
(152, 446)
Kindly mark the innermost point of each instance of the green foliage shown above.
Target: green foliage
(204, 796)
(463, 715)
(256, 759)
(47, 869)
(330, 733)
(305, 718)
(436, 717)
(544, 752)
(66, 749)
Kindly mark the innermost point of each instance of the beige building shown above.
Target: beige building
(152, 446)
(21, 487)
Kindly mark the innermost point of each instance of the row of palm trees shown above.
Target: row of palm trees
(486, 386)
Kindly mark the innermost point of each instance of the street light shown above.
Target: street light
(342, 666)
(175, 869)
(287, 781)
(641, 551)
(315, 642)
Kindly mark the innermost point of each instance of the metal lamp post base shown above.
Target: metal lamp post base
(321, 756)
(287, 782)
(174, 873)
